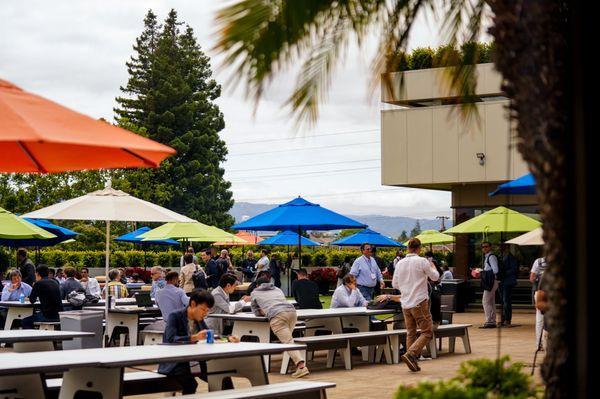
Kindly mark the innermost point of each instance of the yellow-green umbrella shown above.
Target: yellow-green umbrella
(14, 227)
(196, 231)
(433, 237)
(498, 220)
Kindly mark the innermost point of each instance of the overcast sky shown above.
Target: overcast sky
(74, 52)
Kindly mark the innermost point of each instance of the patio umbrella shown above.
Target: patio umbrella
(61, 234)
(108, 205)
(40, 136)
(534, 237)
(194, 232)
(298, 215)
(497, 220)
(134, 237)
(367, 236)
(13, 227)
(288, 238)
(524, 185)
(249, 238)
(432, 237)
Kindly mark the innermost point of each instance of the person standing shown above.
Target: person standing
(490, 266)
(306, 292)
(224, 263)
(508, 283)
(367, 272)
(26, 267)
(189, 250)
(48, 292)
(213, 273)
(70, 284)
(343, 270)
(411, 279)
(537, 271)
(186, 281)
(222, 305)
(263, 263)
(268, 300)
(157, 274)
(89, 284)
(275, 268)
(249, 265)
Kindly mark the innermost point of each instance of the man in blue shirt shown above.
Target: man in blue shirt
(346, 295)
(171, 298)
(12, 292)
(367, 272)
(158, 280)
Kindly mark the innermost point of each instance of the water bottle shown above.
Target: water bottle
(22, 298)
(210, 337)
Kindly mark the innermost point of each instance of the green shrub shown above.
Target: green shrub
(335, 258)
(307, 260)
(135, 259)
(118, 259)
(164, 259)
(90, 259)
(421, 58)
(320, 259)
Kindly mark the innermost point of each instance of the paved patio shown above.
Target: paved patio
(380, 381)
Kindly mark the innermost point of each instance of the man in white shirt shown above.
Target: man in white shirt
(90, 284)
(263, 262)
(490, 262)
(410, 278)
(537, 270)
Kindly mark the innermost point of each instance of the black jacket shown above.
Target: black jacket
(27, 269)
(48, 292)
(306, 293)
(177, 331)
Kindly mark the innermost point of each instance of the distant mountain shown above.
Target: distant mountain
(391, 226)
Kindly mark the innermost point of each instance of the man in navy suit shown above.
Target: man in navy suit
(188, 326)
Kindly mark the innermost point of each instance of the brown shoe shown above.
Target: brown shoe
(411, 361)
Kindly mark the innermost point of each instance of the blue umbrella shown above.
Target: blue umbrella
(288, 238)
(133, 237)
(61, 233)
(367, 236)
(524, 185)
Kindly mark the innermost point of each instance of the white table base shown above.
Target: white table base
(16, 313)
(129, 321)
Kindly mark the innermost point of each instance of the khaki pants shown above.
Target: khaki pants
(418, 317)
(283, 325)
(489, 304)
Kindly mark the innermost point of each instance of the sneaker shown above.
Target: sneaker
(488, 326)
(301, 372)
(411, 361)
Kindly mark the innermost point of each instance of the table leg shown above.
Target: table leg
(395, 343)
(130, 321)
(361, 323)
(105, 381)
(252, 368)
(16, 313)
(260, 330)
(333, 324)
(23, 386)
(39, 346)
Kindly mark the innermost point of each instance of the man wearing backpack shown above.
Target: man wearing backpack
(490, 267)
(213, 272)
(186, 281)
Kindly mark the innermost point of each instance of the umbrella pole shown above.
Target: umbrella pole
(106, 266)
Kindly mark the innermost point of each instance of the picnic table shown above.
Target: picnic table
(128, 317)
(101, 370)
(38, 340)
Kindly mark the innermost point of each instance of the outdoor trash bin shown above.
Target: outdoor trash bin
(83, 321)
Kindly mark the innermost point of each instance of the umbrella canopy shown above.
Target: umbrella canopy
(534, 237)
(524, 185)
(497, 220)
(13, 227)
(249, 238)
(61, 235)
(196, 232)
(134, 238)
(433, 237)
(298, 214)
(289, 238)
(39, 135)
(367, 236)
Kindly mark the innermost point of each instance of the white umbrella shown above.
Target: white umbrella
(108, 205)
(534, 237)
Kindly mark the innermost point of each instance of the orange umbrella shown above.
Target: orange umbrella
(39, 135)
(250, 239)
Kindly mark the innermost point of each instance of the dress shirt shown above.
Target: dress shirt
(410, 278)
(363, 268)
(171, 299)
(343, 297)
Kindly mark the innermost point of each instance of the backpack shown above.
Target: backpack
(199, 279)
(76, 298)
(501, 267)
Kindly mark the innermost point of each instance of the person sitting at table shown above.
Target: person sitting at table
(70, 284)
(157, 274)
(48, 292)
(306, 292)
(268, 300)
(347, 295)
(89, 284)
(171, 298)
(187, 326)
(12, 292)
(221, 294)
(115, 287)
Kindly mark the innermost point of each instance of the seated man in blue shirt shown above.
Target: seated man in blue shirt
(171, 298)
(347, 295)
(187, 326)
(13, 291)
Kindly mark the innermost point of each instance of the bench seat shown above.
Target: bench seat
(283, 390)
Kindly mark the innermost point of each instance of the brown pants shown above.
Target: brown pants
(418, 317)
(283, 325)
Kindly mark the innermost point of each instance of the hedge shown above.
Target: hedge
(443, 56)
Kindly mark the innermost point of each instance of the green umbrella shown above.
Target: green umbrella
(433, 237)
(14, 227)
(498, 220)
(195, 231)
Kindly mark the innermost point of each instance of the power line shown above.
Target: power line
(317, 195)
(305, 137)
(300, 175)
(303, 149)
(304, 165)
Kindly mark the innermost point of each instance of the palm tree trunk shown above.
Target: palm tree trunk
(535, 54)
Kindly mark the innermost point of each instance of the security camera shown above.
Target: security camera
(481, 157)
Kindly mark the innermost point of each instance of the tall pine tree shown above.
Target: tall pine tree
(416, 230)
(170, 98)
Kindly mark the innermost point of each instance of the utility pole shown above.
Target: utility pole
(443, 218)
